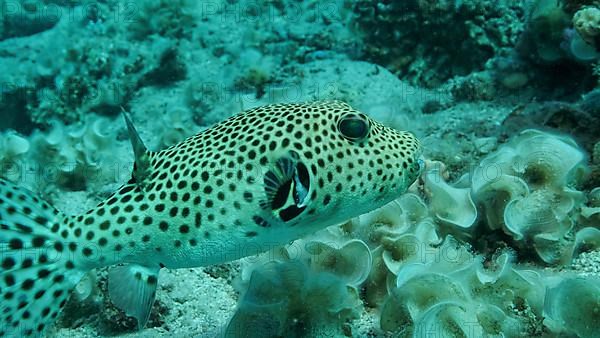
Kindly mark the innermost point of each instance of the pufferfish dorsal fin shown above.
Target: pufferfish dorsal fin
(141, 168)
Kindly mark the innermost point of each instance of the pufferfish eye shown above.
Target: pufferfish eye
(354, 127)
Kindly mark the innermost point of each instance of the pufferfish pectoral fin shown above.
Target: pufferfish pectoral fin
(286, 187)
(132, 288)
(278, 181)
(141, 168)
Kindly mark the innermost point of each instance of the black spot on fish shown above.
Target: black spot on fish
(290, 212)
(260, 221)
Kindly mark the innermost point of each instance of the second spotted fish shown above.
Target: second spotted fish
(265, 176)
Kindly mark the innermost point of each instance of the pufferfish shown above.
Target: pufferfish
(261, 178)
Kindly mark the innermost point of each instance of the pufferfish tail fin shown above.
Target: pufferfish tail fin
(142, 166)
(38, 267)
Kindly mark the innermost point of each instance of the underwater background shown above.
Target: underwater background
(499, 237)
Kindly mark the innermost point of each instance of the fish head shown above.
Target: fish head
(330, 162)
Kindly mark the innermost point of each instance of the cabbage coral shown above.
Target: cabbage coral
(309, 289)
(528, 189)
(76, 156)
(452, 288)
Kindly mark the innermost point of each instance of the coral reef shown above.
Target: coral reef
(14, 148)
(574, 118)
(555, 34)
(442, 294)
(528, 190)
(550, 43)
(91, 73)
(424, 41)
(452, 205)
(78, 155)
(396, 233)
(546, 24)
(572, 306)
(587, 24)
(71, 157)
(308, 289)
(504, 235)
(171, 19)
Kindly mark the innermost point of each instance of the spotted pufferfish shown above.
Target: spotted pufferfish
(264, 177)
